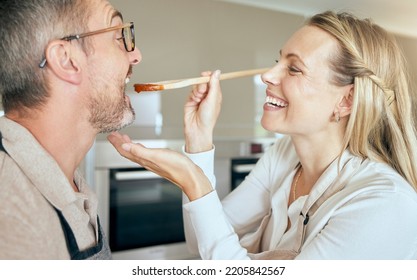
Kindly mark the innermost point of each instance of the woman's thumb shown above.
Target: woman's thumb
(214, 81)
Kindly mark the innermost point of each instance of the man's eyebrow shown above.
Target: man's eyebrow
(115, 14)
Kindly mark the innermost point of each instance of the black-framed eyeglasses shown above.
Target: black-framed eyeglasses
(128, 36)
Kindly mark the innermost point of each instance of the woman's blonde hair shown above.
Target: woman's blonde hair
(381, 125)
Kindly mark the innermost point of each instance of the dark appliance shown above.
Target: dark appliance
(145, 210)
(240, 168)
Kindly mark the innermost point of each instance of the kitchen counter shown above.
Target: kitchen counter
(106, 155)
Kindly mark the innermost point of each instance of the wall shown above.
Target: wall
(181, 38)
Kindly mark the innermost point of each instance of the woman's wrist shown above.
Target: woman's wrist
(199, 185)
(198, 143)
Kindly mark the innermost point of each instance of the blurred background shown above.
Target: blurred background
(181, 38)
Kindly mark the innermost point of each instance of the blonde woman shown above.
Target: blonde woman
(340, 185)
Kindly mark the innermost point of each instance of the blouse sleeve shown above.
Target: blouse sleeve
(213, 228)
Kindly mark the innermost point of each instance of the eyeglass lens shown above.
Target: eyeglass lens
(129, 38)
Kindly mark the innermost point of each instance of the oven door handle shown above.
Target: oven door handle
(243, 168)
(135, 175)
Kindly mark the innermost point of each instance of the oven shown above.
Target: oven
(240, 167)
(141, 213)
(145, 210)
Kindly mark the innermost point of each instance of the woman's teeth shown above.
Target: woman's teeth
(275, 102)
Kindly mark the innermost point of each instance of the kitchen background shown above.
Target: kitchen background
(140, 212)
(181, 38)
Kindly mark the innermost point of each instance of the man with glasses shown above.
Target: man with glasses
(65, 65)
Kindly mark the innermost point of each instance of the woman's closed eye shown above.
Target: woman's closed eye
(291, 69)
(294, 70)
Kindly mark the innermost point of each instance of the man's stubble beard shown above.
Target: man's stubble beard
(107, 116)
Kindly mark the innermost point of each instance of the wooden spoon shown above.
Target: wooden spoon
(194, 81)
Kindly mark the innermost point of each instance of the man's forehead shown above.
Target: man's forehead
(108, 11)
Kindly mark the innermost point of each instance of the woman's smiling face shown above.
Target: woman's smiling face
(300, 96)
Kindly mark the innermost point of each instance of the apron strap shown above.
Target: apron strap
(72, 245)
(1, 144)
(313, 203)
(305, 214)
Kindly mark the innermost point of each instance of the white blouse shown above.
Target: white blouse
(372, 217)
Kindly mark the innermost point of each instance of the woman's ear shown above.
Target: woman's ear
(60, 61)
(345, 105)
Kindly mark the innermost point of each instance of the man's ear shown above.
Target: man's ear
(60, 61)
(345, 105)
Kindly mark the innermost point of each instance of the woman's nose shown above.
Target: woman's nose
(135, 56)
(272, 76)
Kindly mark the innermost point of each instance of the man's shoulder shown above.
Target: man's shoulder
(9, 170)
(16, 189)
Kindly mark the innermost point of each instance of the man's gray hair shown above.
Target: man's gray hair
(26, 27)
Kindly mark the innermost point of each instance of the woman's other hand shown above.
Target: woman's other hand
(168, 164)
